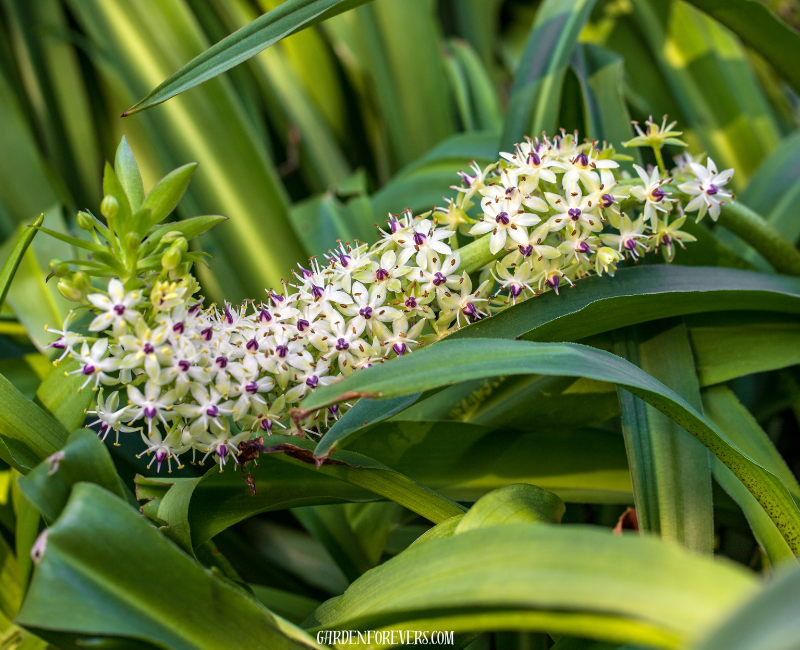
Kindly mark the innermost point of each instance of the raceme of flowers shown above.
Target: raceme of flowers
(189, 378)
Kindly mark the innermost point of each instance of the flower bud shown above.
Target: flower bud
(109, 207)
(58, 268)
(69, 291)
(132, 241)
(85, 221)
(172, 258)
(171, 237)
(81, 281)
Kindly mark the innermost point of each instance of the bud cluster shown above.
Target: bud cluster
(189, 378)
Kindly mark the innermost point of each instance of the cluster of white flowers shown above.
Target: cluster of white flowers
(205, 379)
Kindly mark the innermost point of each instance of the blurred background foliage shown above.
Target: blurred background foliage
(321, 135)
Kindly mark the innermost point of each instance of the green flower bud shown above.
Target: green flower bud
(132, 241)
(69, 291)
(58, 268)
(81, 281)
(172, 258)
(85, 221)
(171, 237)
(109, 207)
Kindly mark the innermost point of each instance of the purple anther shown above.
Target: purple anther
(302, 324)
(265, 316)
(533, 159)
(342, 345)
(149, 412)
(439, 279)
(553, 282)
(184, 365)
(607, 200)
(582, 160)
(266, 425)
(712, 190)
(252, 344)
(502, 218)
(282, 351)
(399, 349)
(526, 251)
(88, 369)
(222, 451)
(228, 315)
(207, 333)
(212, 411)
(381, 274)
(574, 213)
(148, 348)
(469, 310)
(222, 362)
(411, 302)
(515, 290)
(658, 194)
(630, 244)
(583, 247)
(312, 381)
(419, 238)
(178, 328)
(119, 309)
(317, 292)
(252, 388)
(161, 456)
(366, 312)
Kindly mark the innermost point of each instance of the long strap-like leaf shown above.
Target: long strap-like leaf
(450, 362)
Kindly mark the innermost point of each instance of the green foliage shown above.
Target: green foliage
(436, 502)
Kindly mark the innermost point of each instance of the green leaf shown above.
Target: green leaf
(292, 607)
(761, 29)
(670, 469)
(731, 345)
(14, 258)
(189, 228)
(113, 186)
(768, 621)
(512, 504)
(74, 241)
(600, 73)
(465, 461)
(127, 171)
(451, 361)
(104, 571)
(774, 189)
(28, 434)
(567, 580)
(636, 295)
(482, 97)
(287, 18)
(61, 396)
(200, 508)
(365, 413)
(536, 93)
(167, 193)
(83, 458)
(724, 409)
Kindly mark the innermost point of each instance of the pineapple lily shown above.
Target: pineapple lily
(204, 379)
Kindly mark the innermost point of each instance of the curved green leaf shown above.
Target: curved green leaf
(536, 93)
(83, 458)
(28, 434)
(529, 576)
(127, 170)
(197, 509)
(636, 295)
(724, 409)
(14, 258)
(104, 571)
(768, 621)
(761, 29)
(287, 18)
(167, 193)
(516, 503)
(449, 362)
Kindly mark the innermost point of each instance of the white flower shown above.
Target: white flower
(369, 306)
(95, 364)
(654, 198)
(504, 218)
(115, 309)
(66, 340)
(464, 304)
(401, 339)
(708, 189)
(150, 405)
(110, 417)
(607, 259)
(207, 409)
(423, 240)
(630, 235)
(516, 283)
(574, 210)
(582, 168)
